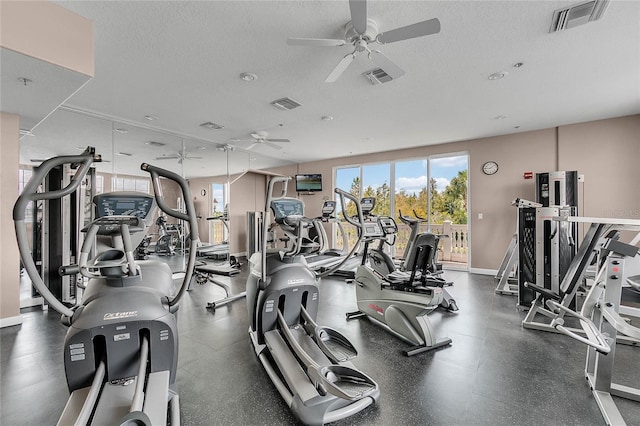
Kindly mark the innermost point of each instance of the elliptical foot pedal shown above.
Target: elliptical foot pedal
(346, 382)
(415, 350)
(334, 345)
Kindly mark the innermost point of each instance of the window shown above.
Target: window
(433, 188)
(24, 175)
(130, 184)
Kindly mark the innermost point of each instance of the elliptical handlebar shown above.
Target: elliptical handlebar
(360, 225)
(343, 195)
(190, 217)
(29, 194)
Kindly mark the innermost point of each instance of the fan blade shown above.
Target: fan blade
(193, 158)
(277, 140)
(168, 157)
(339, 69)
(358, 15)
(273, 145)
(251, 146)
(419, 29)
(318, 42)
(386, 64)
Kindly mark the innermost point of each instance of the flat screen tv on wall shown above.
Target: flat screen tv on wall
(311, 182)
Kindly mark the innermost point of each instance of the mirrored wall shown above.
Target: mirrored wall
(217, 174)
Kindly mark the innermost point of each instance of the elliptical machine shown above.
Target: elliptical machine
(399, 301)
(309, 365)
(121, 348)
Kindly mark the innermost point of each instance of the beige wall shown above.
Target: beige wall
(48, 32)
(610, 161)
(9, 257)
(605, 151)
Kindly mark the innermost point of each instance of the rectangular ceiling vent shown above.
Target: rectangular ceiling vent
(286, 103)
(578, 14)
(212, 126)
(377, 76)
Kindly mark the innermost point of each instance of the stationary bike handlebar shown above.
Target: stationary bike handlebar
(29, 194)
(189, 216)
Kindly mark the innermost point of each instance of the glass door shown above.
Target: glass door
(448, 207)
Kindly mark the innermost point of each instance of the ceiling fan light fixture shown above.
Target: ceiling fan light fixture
(212, 126)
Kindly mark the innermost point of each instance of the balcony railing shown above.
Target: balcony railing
(453, 247)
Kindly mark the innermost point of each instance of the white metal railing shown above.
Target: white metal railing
(453, 247)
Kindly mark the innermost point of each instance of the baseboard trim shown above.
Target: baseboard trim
(481, 271)
(10, 321)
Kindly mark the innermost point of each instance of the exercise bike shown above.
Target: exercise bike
(400, 300)
(121, 347)
(309, 365)
(434, 268)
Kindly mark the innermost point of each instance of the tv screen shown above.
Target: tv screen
(309, 182)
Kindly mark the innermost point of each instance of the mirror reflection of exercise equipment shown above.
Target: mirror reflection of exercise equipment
(55, 233)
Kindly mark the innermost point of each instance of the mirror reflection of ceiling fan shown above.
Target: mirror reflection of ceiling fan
(361, 32)
(180, 156)
(261, 138)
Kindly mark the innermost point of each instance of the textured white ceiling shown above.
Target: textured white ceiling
(181, 61)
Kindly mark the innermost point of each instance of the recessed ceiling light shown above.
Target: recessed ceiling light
(154, 143)
(501, 117)
(326, 118)
(151, 117)
(518, 64)
(498, 75)
(121, 130)
(248, 76)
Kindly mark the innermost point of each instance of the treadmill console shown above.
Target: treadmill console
(123, 204)
(287, 207)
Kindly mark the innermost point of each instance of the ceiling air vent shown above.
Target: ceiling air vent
(286, 103)
(212, 126)
(377, 76)
(578, 14)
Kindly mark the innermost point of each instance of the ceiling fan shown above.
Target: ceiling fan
(361, 32)
(261, 138)
(180, 156)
